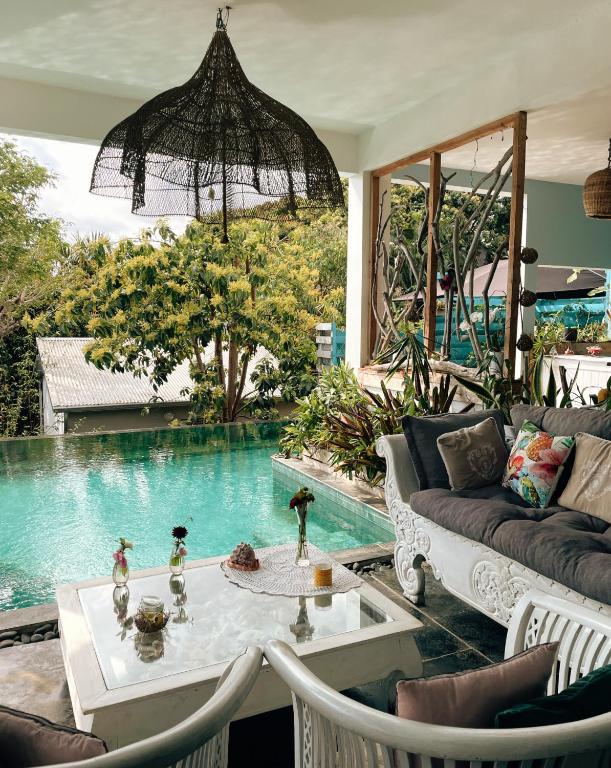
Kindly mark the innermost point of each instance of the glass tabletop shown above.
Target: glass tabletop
(211, 621)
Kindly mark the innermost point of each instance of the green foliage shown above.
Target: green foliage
(19, 399)
(593, 331)
(31, 268)
(408, 209)
(551, 332)
(337, 387)
(31, 249)
(346, 420)
(291, 377)
(502, 392)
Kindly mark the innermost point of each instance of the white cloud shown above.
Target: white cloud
(70, 199)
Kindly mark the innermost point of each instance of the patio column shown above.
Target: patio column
(358, 279)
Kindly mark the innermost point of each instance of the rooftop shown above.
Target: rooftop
(75, 384)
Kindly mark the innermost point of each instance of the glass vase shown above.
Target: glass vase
(120, 574)
(177, 561)
(302, 557)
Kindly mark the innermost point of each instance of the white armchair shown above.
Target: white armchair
(200, 741)
(332, 730)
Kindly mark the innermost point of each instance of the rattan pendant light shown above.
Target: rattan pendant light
(217, 148)
(597, 192)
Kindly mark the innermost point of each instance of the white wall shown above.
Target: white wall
(358, 270)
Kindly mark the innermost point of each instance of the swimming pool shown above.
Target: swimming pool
(64, 502)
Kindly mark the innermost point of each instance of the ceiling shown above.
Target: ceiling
(565, 143)
(348, 65)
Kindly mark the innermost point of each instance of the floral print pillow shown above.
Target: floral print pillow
(535, 464)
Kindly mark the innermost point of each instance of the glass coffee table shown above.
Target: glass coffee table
(125, 686)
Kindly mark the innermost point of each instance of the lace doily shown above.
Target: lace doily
(278, 574)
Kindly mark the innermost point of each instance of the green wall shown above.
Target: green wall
(559, 229)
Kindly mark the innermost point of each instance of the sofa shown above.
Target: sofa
(488, 546)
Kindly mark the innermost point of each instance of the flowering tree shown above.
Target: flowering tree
(152, 303)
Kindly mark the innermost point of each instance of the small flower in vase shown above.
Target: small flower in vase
(299, 503)
(179, 551)
(120, 571)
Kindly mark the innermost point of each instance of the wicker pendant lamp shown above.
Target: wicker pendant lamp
(217, 148)
(597, 192)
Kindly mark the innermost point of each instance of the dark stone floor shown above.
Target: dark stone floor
(455, 636)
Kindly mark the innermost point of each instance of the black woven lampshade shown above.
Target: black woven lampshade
(217, 148)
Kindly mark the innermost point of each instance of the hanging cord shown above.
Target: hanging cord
(474, 161)
(222, 17)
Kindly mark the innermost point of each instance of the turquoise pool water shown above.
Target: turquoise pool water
(64, 502)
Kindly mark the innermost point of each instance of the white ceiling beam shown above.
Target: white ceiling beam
(36, 109)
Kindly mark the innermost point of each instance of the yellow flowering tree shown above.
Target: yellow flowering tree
(152, 303)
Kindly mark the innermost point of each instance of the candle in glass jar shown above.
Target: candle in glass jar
(151, 607)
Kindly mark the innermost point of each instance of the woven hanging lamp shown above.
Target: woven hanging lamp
(217, 148)
(597, 192)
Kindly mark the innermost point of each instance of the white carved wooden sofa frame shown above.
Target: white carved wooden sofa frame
(487, 580)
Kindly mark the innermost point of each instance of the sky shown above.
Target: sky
(70, 199)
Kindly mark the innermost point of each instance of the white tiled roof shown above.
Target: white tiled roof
(75, 383)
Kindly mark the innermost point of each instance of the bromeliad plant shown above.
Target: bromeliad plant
(502, 391)
(353, 432)
(346, 420)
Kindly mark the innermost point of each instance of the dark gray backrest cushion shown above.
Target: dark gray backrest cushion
(532, 413)
(421, 433)
(565, 421)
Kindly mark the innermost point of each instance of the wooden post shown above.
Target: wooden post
(430, 302)
(515, 236)
(375, 214)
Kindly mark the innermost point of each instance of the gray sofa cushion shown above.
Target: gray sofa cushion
(564, 421)
(421, 433)
(569, 547)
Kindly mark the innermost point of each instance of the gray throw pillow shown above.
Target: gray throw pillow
(27, 740)
(474, 457)
(421, 433)
(589, 486)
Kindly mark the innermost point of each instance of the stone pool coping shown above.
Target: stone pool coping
(370, 502)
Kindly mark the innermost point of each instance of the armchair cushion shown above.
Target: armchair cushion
(471, 699)
(587, 697)
(421, 433)
(565, 421)
(29, 740)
